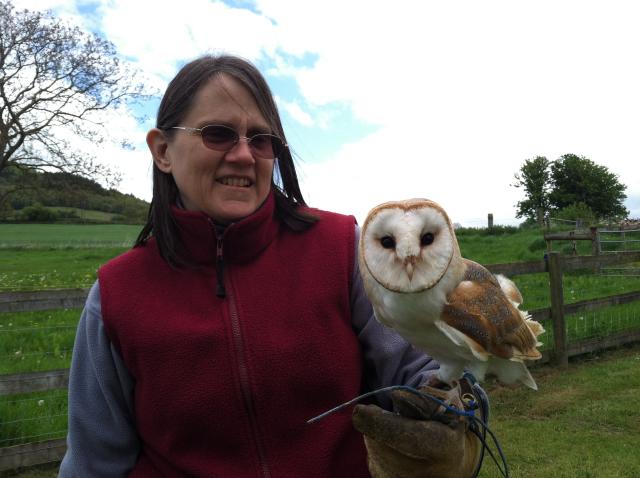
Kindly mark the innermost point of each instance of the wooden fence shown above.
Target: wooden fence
(555, 265)
(30, 454)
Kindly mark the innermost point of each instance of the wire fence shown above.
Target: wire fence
(26, 418)
(595, 326)
(556, 221)
(612, 240)
(35, 353)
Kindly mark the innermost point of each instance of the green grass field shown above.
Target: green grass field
(37, 269)
(61, 236)
(557, 426)
(583, 422)
(58, 256)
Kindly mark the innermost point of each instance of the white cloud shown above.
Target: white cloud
(160, 35)
(389, 165)
(466, 92)
(296, 112)
(462, 92)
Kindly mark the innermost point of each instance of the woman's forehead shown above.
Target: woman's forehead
(225, 100)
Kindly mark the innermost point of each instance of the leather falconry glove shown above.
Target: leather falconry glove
(422, 439)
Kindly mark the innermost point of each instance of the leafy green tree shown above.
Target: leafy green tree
(576, 179)
(533, 178)
(575, 212)
(56, 82)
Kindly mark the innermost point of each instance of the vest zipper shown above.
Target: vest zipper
(244, 383)
(220, 290)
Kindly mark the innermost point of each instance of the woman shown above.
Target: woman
(238, 315)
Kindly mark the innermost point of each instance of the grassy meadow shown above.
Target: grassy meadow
(583, 422)
(58, 256)
(61, 236)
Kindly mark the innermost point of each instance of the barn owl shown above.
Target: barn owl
(450, 307)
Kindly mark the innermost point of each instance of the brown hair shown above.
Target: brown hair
(176, 103)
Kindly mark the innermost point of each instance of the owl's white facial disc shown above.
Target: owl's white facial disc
(407, 248)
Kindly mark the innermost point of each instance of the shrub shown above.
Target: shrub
(538, 244)
(486, 231)
(577, 211)
(37, 213)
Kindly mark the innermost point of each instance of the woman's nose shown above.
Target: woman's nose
(241, 152)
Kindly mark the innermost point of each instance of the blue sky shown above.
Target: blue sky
(443, 100)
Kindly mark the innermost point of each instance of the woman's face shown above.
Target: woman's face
(226, 186)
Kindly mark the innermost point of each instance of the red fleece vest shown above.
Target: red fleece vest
(224, 386)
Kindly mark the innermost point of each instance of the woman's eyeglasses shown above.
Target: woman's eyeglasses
(222, 138)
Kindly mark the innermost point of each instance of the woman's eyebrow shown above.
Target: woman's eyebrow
(251, 130)
(261, 129)
(209, 122)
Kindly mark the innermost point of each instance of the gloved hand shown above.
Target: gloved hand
(421, 439)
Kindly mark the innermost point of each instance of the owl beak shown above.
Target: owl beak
(409, 263)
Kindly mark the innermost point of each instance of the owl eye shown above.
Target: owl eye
(427, 239)
(388, 242)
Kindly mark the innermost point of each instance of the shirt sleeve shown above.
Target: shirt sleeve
(101, 439)
(388, 358)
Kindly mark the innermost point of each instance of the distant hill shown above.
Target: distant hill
(27, 196)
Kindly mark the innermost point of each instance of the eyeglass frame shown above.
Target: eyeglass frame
(198, 132)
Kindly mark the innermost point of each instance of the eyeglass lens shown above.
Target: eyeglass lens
(222, 138)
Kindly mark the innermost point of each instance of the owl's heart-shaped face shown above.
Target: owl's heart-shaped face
(407, 246)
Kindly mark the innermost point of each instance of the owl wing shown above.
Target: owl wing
(479, 312)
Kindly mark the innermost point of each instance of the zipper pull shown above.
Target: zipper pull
(220, 291)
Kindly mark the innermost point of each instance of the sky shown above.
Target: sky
(388, 100)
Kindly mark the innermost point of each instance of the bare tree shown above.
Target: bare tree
(56, 83)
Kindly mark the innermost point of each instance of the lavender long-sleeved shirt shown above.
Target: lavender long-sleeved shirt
(102, 440)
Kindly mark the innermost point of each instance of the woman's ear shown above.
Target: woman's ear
(157, 143)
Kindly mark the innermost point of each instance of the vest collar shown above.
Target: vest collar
(240, 241)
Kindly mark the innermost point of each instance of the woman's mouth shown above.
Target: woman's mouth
(239, 182)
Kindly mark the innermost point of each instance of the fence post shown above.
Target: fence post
(595, 248)
(595, 241)
(560, 356)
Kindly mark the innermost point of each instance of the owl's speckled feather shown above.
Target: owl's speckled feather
(451, 307)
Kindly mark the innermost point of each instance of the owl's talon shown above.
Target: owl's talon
(451, 397)
(434, 382)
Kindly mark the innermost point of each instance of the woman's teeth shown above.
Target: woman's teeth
(238, 182)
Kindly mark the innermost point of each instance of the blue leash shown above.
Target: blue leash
(470, 414)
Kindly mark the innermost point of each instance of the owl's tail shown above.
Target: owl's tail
(510, 372)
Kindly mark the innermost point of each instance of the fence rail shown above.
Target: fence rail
(42, 300)
(52, 450)
(14, 384)
(570, 263)
(31, 454)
